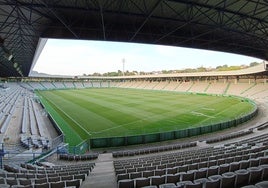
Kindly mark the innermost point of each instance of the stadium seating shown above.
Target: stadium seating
(199, 87)
(152, 149)
(40, 176)
(229, 136)
(217, 88)
(72, 157)
(33, 135)
(210, 167)
(262, 126)
(184, 86)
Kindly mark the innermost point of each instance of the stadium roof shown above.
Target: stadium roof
(224, 25)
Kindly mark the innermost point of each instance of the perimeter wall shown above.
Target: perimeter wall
(171, 135)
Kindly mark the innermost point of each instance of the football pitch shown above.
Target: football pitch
(115, 112)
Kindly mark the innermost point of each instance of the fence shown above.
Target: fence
(80, 148)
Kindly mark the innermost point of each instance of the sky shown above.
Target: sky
(78, 57)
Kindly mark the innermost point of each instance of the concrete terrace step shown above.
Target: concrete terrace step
(103, 174)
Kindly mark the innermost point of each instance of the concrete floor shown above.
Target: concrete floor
(103, 174)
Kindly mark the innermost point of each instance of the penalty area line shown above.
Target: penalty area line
(201, 114)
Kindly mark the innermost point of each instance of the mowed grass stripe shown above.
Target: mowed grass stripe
(150, 102)
(117, 105)
(119, 112)
(79, 110)
(122, 108)
(141, 113)
(108, 111)
(125, 99)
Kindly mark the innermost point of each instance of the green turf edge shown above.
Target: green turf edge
(64, 123)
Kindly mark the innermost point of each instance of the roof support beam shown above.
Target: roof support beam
(4, 23)
(61, 20)
(147, 18)
(102, 21)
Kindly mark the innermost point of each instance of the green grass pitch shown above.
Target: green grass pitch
(109, 112)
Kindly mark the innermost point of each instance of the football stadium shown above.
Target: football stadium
(199, 129)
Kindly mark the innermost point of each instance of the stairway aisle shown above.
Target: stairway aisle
(103, 174)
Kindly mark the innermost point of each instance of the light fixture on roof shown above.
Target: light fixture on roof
(20, 72)
(15, 65)
(8, 55)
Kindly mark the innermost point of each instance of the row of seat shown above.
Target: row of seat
(72, 157)
(75, 179)
(29, 175)
(236, 179)
(202, 161)
(263, 138)
(196, 172)
(63, 85)
(180, 167)
(25, 116)
(172, 157)
(263, 184)
(228, 136)
(195, 154)
(7, 109)
(149, 150)
(39, 175)
(210, 151)
(262, 126)
(39, 122)
(41, 167)
(60, 173)
(205, 152)
(59, 184)
(34, 141)
(206, 183)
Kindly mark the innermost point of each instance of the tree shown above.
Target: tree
(201, 69)
(253, 64)
(120, 73)
(96, 74)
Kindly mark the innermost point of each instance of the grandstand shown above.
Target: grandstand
(205, 160)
